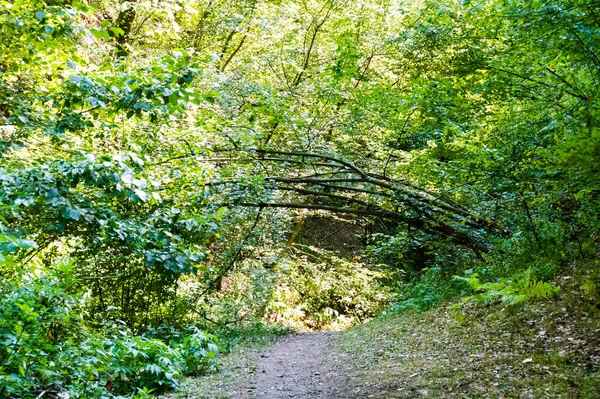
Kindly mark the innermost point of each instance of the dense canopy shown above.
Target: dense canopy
(158, 160)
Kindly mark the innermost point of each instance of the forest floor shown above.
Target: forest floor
(300, 366)
(542, 349)
(304, 366)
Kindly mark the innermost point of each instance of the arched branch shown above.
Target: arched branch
(340, 186)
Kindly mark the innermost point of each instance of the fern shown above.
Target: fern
(519, 288)
(540, 289)
(473, 281)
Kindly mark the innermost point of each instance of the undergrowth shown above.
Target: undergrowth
(317, 290)
(494, 345)
(517, 289)
(49, 348)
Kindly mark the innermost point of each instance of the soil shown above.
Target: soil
(299, 366)
(303, 366)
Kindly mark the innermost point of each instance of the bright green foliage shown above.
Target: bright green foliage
(163, 150)
(47, 343)
(516, 289)
(199, 352)
(133, 149)
(323, 291)
(424, 291)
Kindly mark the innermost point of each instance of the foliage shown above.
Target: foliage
(516, 289)
(167, 150)
(425, 291)
(322, 291)
(199, 352)
(48, 345)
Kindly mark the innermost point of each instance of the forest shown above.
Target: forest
(180, 179)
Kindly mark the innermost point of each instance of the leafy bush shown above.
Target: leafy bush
(199, 351)
(46, 345)
(320, 290)
(140, 362)
(421, 294)
(424, 291)
(516, 289)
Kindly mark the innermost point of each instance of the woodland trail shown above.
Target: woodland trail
(304, 366)
(299, 366)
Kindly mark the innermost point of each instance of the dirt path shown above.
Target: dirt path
(298, 366)
(303, 366)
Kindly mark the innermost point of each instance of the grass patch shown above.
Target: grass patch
(538, 349)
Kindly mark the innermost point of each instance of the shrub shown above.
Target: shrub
(426, 290)
(320, 290)
(199, 351)
(47, 346)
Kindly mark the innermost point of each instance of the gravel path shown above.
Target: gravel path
(303, 366)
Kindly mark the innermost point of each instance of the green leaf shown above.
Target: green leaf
(70, 213)
(100, 33)
(117, 31)
(22, 367)
(142, 195)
